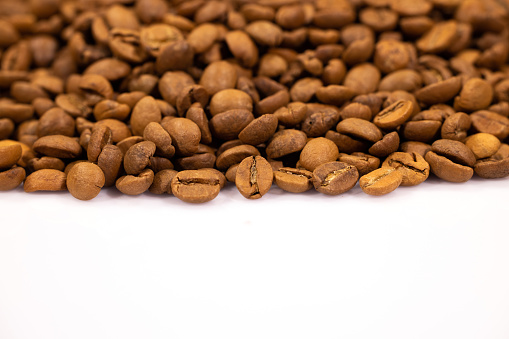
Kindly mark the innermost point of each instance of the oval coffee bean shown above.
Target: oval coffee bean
(413, 167)
(448, 170)
(45, 180)
(293, 180)
(12, 178)
(9, 155)
(318, 151)
(137, 157)
(135, 185)
(254, 177)
(334, 178)
(195, 186)
(394, 115)
(85, 180)
(381, 181)
(58, 146)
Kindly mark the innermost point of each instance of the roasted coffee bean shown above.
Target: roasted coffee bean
(448, 170)
(293, 180)
(415, 146)
(456, 126)
(58, 146)
(36, 164)
(85, 180)
(11, 178)
(490, 122)
(483, 145)
(387, 145)
(162, 182)
(394, 115)
(195, 186)
(235, 155)
(197, 115)
(254, 177)
(9, 155)
(381, 181)
(286, 142)
(229, 99)
(359, 128)
(135, 185)
(218, 76)
(475, 95)
(229, 124)
(412, 166)
(45, 180)
(318, 151)
(185, 135)
(137, 157)
(496, 166)
(364, 163)
(334, 178)
(259, 130)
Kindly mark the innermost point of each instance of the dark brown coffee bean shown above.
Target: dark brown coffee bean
(100, 137)
(45, 180)
(135, 185)
(380, 181)
(9, 155)
(58, 146)
(359, 128)
(334, 178)
(254, 177)
(483, 145)
(413, 167)
(492, 123)
(387, 145)
(293, 180)
(185, 135)
(110, 162)
(85, 180)
(137, 157)
(195, 186)
(11, 178)
(364, 163)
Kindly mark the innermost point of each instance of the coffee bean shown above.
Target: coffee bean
(448, 170)
(380, 181)
(185, 135)
(162, 182)
(412, 166)
(229, 99)
(456, 126)
(483, 145)
(455, 151)
(235, 155)
(293, 180)
(36, 164)
(45, 180)
(285, 142)
(218, 76)
(85, 180)
(229, 124)
(359, 128)
(195, 186)
(109, 109)
(334, 178)
(259, 130)
(475, 95)
(11, 178)
(9, 155)
(100, 137)
(492, 123)
(317, 152)
(58, 146)
(254, 177)
(439, 92)
(496, 166)
(135, 185)
(161, 138)
(364, 163)
(394, 115)
(137, 157)
(387, 145)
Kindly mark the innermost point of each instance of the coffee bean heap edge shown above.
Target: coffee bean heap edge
(184, 97)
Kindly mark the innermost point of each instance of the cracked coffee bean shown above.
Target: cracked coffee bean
(381, 181)
(334, 178)
(254, 177)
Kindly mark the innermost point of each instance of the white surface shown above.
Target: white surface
(425, 262)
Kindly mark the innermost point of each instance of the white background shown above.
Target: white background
(422, 262)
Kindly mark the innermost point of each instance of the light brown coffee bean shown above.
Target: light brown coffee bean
(475, 95)
(218, 76)
(135, 185)
(195, 186)
(110, 68)
(259, 130)
(456, 126)
(56, 121)
(364, 163)
(490, 122)
(185, 135)
(229, 99)
(58, 146)
(317, 152)
(45, 180)
(16, 112)
(119, 130)
(483, 145)
(394, 115)
(359, 128)
(162, 182)
(439, 92)
(422, 131)
(11, 178)
(85, 180)
(254, 177)
(242, 48)
(9, 155)
(109, 109)
(439, 38)
(363, 78)
(36, 164)
(234, 155)
(146, 111)
(126, 44)
(448, 170)
(161, 138)
(137, 157)
(197, 115)
(334, 178)
(110, 162)
(413, 167)
(496, 166)
(265, 33)
(292, 115)
(293, 180)
(381, 181)
(99, 138)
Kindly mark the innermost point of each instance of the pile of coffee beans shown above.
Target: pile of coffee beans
(184, 96)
